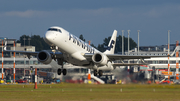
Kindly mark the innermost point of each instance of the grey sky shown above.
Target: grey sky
(94, 19)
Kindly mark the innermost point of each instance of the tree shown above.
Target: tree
(118, 47)
(93, 45)
(36, 41)
(21, 40)
(101, 47)
(82, 38)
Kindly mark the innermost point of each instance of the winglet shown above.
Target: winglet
(5, 45)
(111, 46)
(175, 50)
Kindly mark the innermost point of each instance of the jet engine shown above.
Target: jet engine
(44, 57)
(100, 59)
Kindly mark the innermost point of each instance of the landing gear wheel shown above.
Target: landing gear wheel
(95, 72)
(100, 72)
(64, 71)
(59, 71)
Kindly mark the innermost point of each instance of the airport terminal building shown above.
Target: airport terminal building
(24, 66)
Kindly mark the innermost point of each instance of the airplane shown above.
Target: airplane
(66, 47)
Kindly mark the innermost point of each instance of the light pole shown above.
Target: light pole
(168, 52)
(24, 55)
(29, 39)
(128, 41)
(128, 48)
(138, 40)
(122, 42)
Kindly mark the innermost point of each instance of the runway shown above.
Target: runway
(88, 92)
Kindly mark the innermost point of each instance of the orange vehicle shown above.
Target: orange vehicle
(165, 81)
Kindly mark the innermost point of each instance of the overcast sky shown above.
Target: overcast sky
(94, 19)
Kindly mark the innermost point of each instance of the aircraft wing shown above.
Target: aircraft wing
(23, 52)
(122, 57)
(28, 53)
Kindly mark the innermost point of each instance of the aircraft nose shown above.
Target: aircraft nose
(49, 37)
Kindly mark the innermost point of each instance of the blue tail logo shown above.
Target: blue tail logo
(111, 45)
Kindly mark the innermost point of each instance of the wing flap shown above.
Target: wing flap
(128, 64)
(122, 57)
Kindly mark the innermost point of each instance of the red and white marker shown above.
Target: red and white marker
(35, 86)
(2, 61)
(177, 63)
(14, 63)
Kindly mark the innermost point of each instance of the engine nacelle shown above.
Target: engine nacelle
(44, 57)
(100, 59)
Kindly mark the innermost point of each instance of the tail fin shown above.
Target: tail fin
(112, 43)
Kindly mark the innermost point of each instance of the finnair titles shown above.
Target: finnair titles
(81, 43)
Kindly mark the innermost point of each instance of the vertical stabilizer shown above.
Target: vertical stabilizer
(112, 43)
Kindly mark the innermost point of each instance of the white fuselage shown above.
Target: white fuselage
(72, 47)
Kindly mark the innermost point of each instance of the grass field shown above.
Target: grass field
(89, 92)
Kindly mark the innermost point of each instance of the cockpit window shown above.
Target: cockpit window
(54, 29)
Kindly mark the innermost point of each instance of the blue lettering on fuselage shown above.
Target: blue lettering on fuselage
(81, 43)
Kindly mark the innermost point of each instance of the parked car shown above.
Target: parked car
(21, 81)
(8, 81)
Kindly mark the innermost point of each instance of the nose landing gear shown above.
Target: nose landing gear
(100, 72)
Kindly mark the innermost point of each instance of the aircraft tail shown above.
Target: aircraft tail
(111, 46)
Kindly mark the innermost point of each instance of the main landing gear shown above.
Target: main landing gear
(59, 71)
(96, 72)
